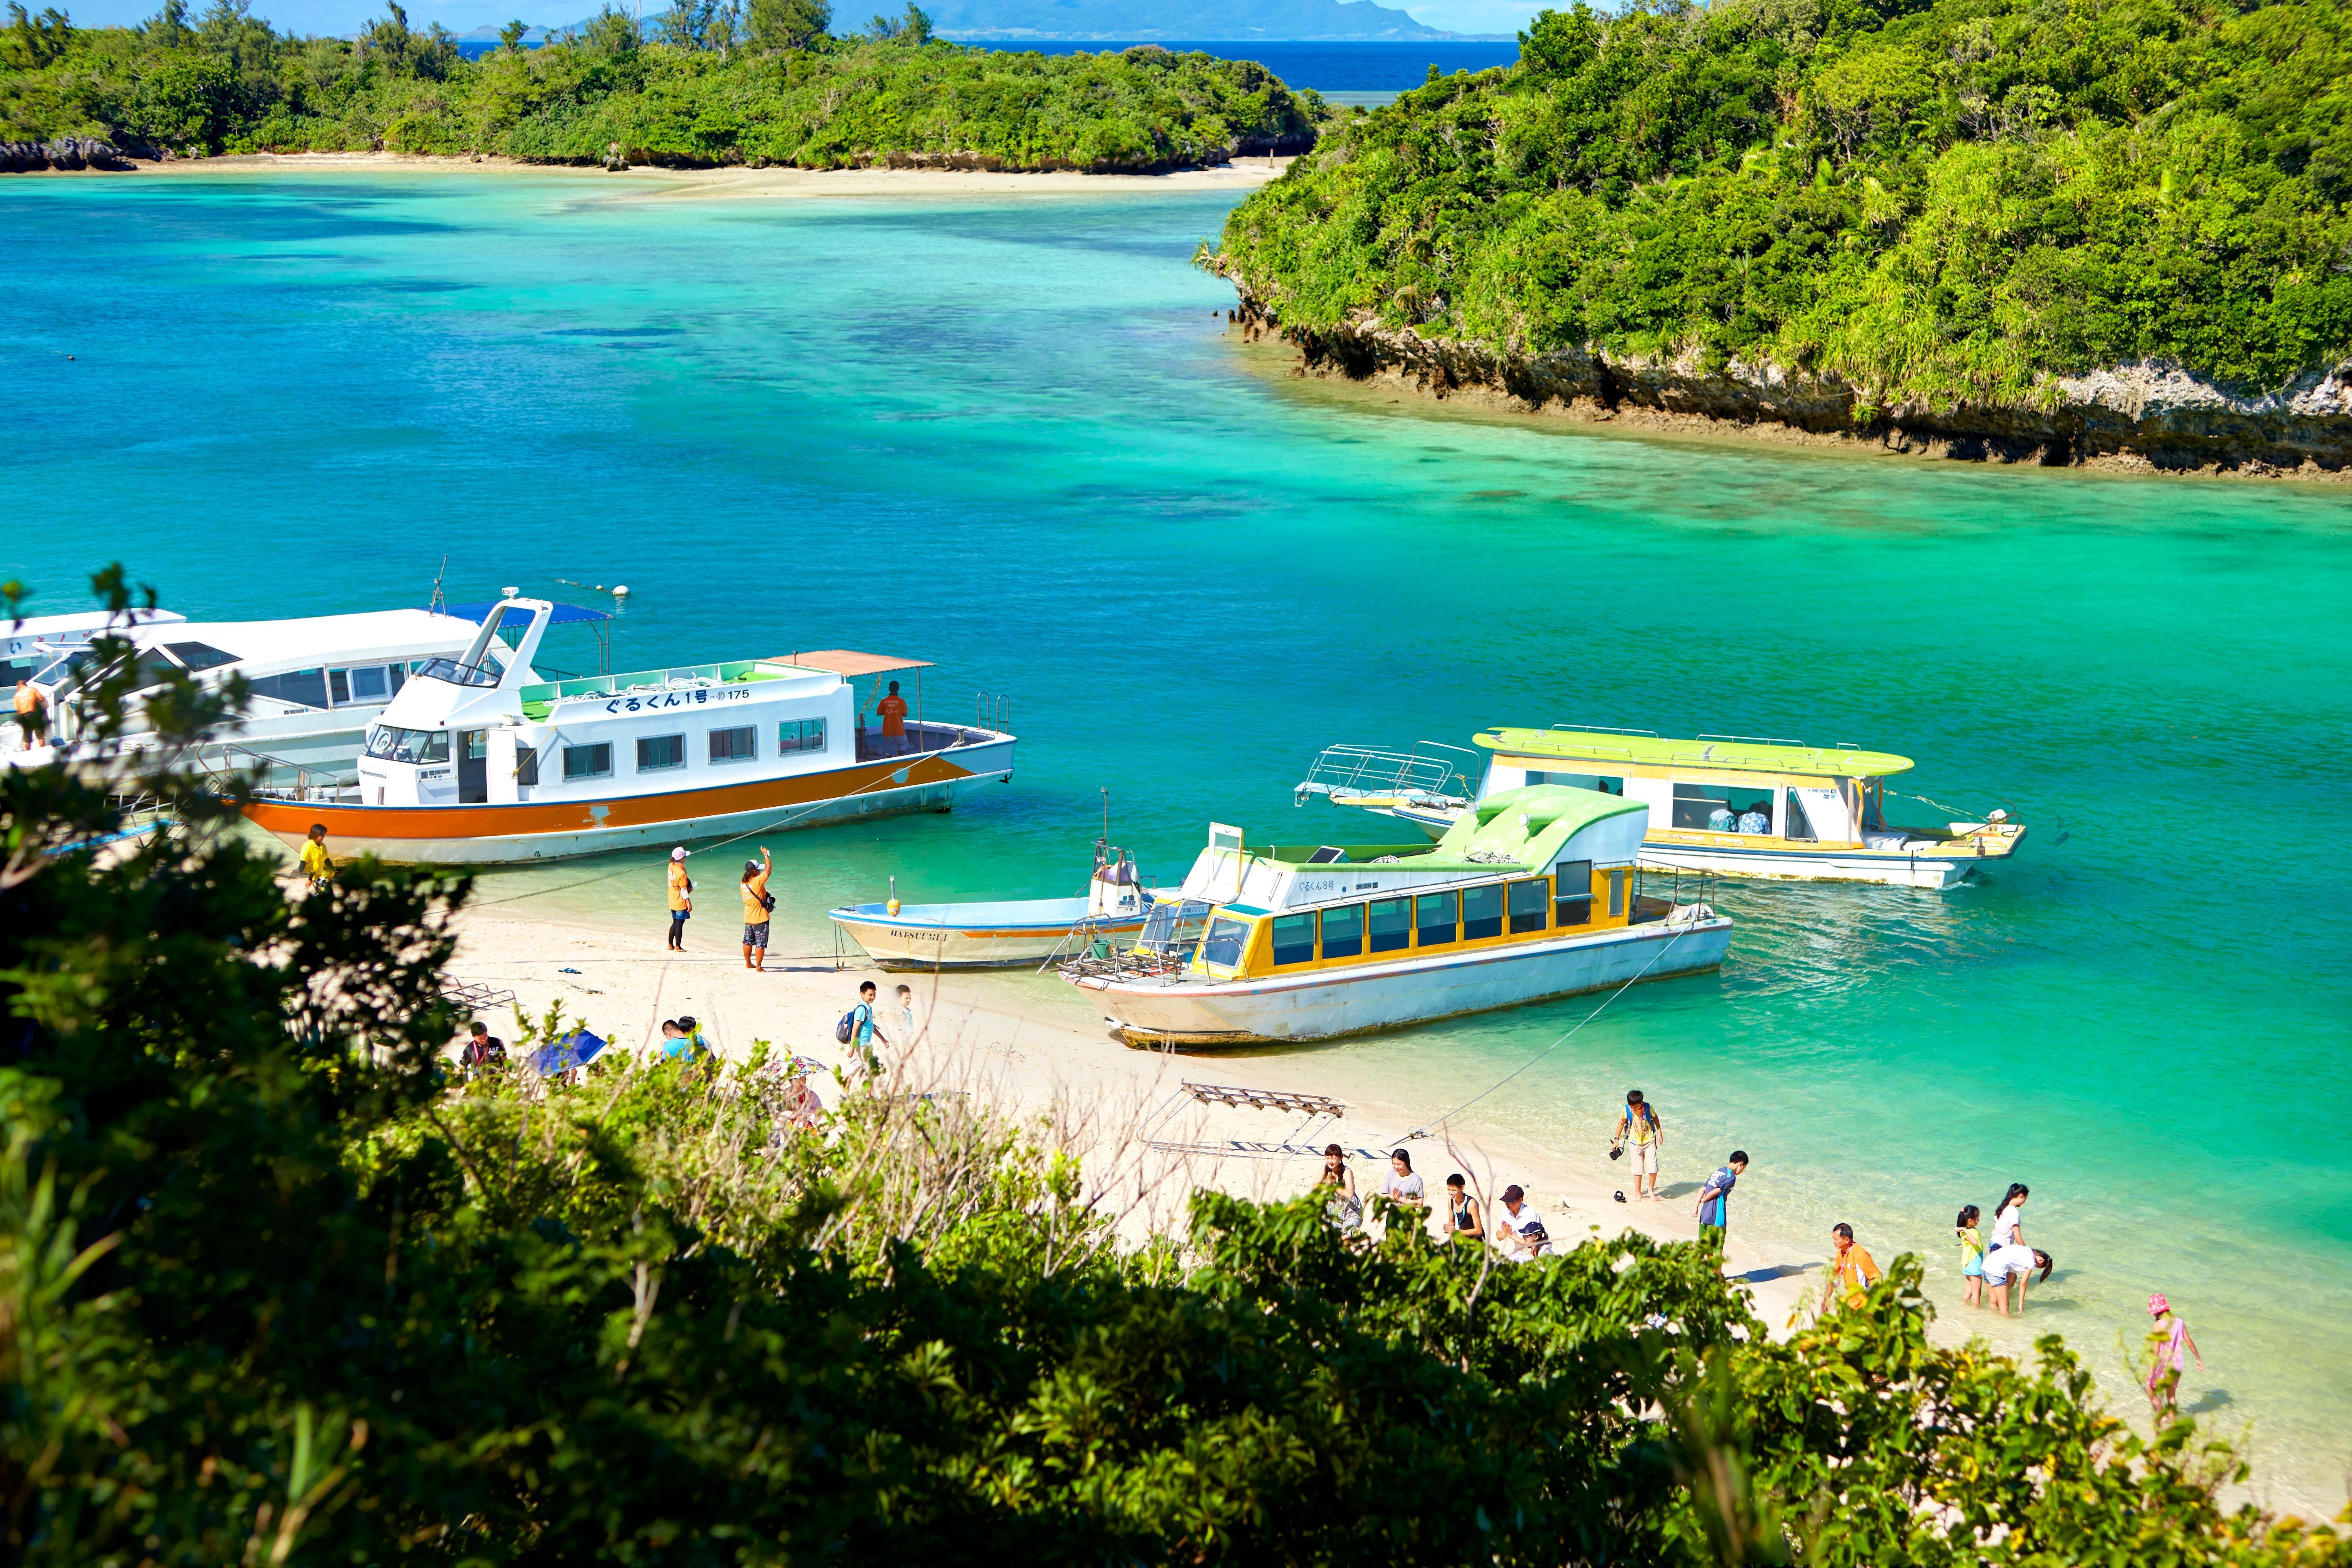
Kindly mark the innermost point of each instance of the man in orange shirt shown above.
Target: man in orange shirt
(1852, 1272)
(893, 709)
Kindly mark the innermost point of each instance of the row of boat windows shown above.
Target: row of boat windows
(593, 760)
(334, 688)
(1712, 808)
(656, 753)
(1422, 920)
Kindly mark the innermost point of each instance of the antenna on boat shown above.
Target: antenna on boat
(434, 603)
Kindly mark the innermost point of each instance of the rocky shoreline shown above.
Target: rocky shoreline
(2146, 418)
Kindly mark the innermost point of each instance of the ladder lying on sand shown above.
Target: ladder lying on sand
(1319, 1112)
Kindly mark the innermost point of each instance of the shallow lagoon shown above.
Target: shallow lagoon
(1012, 436)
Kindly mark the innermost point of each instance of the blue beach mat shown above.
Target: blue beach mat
(575, 1050)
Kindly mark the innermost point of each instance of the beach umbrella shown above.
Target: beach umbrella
(575, 1050)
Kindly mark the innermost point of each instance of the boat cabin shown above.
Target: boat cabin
(1717, 791)
(1528, 865)
(472, 730)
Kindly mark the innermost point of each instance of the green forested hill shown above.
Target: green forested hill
(713, 84)
(1940, 201)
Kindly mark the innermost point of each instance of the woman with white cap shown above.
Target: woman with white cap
(681, 899)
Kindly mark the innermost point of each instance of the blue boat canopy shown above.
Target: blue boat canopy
(565, 614)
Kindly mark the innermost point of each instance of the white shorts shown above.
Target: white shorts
(2002, 1263)
(1645, 1157)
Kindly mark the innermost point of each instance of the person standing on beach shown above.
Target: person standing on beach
(1852, 1271)
(32, 714)
(316, 866)
(2166, 1340)
(893, 709)
(1713, 1205)
(864, 1030)
(756, 907)
(1639, 1122)
(2008, 1231)
(681, 900)
(1972, 1257)
(906, 1016)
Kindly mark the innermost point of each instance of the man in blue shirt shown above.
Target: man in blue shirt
(1714, 1207)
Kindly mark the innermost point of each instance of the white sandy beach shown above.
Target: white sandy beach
(1242, 175)
(979, 1032)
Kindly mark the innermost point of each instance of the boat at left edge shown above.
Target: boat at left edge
(475, 762)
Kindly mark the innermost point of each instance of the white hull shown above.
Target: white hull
(525, 848)
(1318, 1004)
(1946, 867)
(973, 936)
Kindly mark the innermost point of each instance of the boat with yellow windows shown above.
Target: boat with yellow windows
(1730, 805)
(1533, 893)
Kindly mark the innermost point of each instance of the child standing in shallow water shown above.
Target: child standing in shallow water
(1972, 1252)
(2165, 1364)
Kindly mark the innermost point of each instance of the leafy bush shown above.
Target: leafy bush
(1945, 203)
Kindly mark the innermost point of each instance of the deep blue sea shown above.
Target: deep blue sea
(1013, 435)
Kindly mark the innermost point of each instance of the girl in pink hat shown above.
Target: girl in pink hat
(2166, 1341)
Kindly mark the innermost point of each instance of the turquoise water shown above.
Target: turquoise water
(1012, 436)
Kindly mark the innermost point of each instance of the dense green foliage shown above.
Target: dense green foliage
(763, 84)
(1942, 201)
(272, 1290)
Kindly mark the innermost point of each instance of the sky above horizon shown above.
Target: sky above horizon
(344, 17)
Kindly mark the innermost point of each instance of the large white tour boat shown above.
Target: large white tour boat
(474, 762)
(1534, 892)
(318, 683)
(1734, 805)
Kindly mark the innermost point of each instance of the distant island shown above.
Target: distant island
(765, 84)
(1968, 228)
(1133, 21)
(1150, 20)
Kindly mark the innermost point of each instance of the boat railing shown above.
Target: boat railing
(1604, 730)
(674, 677)
(923, 739)
(993, 711)
(1172, 929)
(1345, 772)
(1758, 741)
(275, 777)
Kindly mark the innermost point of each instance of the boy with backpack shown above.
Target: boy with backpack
(756, 907)
(857, 1029)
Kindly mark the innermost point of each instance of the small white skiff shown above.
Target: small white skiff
(1003, 933)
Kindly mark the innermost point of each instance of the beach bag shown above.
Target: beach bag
(846, 1028)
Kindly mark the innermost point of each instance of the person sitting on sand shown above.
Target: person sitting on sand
(1402, 1185)
(1345, 1209)
(2166, 1340)
(1462, 1210)
(1518, 1229)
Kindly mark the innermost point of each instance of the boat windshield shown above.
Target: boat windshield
(390, 743)
(486, 673)
(1172, 927)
